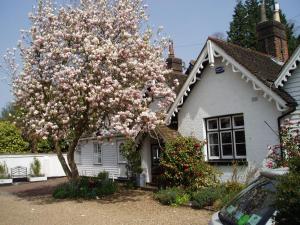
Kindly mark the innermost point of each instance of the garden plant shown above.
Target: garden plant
(87, 187)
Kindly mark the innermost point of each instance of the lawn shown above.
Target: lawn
(30, 204)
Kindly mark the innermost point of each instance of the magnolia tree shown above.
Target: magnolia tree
(93, 67)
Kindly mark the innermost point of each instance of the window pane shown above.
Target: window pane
(226, 138)
(227, 150)
(213, 138)
(214, 150)
(240, 149)
(225, 123)
(240, 136)
(212, 124)
(238, 121)
(155, 152)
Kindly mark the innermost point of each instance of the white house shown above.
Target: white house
(236, 99)
(233, 97)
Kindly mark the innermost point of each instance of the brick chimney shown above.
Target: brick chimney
(172, 62)
(272, 38)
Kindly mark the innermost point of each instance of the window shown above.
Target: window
(155, 154)
(78, 154)
(226, 137)
(97, 153)
(121, 157)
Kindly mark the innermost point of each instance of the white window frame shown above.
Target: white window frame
(96, 153)
(221, 144)
(237, 127)
(225, 117)
(208, 145)
(216, 119)
(219, 132)
(235, 155)
(119, 154)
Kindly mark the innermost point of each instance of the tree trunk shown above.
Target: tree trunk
(72, 165)
(70, 156)
(71, 168)
(33, 144)
(62, 160)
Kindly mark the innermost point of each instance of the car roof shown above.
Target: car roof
(273, 173)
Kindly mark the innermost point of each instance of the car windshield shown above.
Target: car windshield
(253, 206)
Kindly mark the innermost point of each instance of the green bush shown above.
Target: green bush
(104, 175)
(216, 196)
(11, 140)
(228, 191)
(133, 157)
(35, 168)
(288, 199)
(107, 187)
(205, 197)
(61, 192)
(172, 196)
(45, 145)
(86, 187)
(183, 164)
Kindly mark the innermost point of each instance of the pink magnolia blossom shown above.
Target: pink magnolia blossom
(90, 64)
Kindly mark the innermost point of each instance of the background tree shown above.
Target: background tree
(11, 140)
(88, 68)
(247, 15)
(11, 113)
(238, 28)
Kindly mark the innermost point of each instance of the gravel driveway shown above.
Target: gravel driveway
(31, 204)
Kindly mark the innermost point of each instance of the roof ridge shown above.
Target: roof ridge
(243, 48)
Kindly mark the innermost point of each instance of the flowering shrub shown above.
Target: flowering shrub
(285, 153)
(287, 198)
(183, 164)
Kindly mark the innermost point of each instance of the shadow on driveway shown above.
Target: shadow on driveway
(40, 193)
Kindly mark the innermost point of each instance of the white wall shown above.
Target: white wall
(110, 161)
(227, 93)
(50, 165)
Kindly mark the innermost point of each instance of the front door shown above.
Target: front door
(155, 166)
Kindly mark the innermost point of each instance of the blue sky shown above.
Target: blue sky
(187, 22)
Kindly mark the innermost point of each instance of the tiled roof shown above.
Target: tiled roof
(167, 133)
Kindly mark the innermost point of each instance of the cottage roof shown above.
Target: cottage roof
(167, 133)
(261, 65)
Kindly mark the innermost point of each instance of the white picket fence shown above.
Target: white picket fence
(50, 165)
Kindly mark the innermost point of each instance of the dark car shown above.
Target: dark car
(254, 205)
